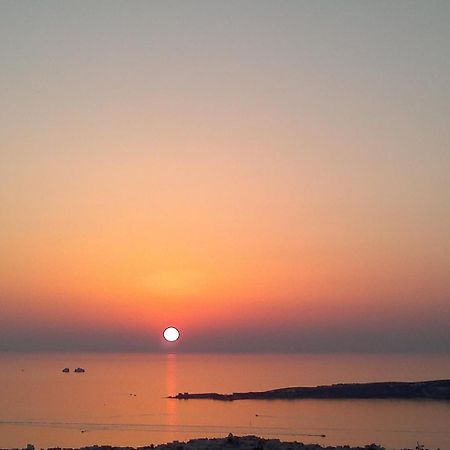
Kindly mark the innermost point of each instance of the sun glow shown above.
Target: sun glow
(171, 334)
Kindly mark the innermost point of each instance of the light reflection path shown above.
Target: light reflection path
(171, 389)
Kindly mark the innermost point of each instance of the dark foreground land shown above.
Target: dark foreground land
(435, 390)
(233, 443)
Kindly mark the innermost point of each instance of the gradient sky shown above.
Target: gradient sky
(267, 176)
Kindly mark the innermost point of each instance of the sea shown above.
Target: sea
(121, 399)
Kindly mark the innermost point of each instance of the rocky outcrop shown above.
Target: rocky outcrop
(436, 390)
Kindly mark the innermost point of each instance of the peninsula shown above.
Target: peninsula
(436, 390)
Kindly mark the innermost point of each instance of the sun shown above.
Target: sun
(171, 334)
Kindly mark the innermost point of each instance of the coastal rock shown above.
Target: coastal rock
(433, 390)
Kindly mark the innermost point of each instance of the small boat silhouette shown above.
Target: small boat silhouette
(66, 370)
(79, 370)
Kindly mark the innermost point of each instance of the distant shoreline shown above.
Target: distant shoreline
(433, 390)
(231, 442)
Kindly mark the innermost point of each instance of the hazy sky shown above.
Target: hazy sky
(267, 176)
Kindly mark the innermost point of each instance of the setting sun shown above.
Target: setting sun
(171, 334)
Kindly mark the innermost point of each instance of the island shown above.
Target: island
(435, 390)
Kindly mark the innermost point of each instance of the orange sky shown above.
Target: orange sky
(210, 175)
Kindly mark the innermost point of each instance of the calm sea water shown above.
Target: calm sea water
(120, 400)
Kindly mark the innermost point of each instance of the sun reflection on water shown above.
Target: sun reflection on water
(171, 389)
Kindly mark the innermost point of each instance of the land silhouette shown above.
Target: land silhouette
(435, 390)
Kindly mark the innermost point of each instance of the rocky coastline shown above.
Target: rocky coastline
(432, 390)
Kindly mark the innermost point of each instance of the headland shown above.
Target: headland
(433, 390)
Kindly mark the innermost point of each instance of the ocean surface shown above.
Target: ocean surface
(121, 399)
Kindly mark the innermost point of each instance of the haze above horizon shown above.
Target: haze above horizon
(265, 176)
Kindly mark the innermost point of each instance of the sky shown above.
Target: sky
(268, 176)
